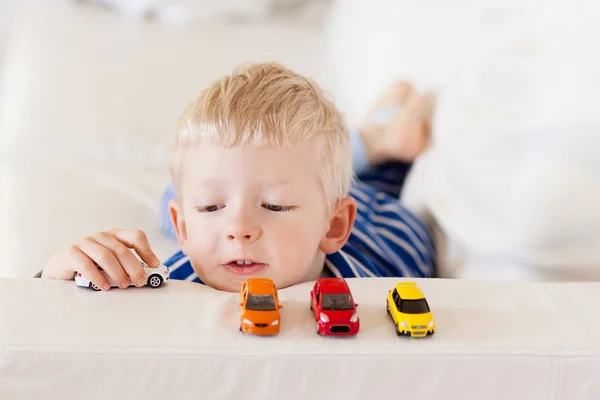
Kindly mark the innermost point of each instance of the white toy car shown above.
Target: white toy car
(156, 277)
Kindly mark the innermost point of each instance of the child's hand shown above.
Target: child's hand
(111, 251)
(397, 128)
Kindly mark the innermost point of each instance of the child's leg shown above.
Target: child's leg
(397, 128)
(388, 178)
(396, 131)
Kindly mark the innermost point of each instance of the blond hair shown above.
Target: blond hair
(267, 105)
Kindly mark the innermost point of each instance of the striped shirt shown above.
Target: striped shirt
(387, 240)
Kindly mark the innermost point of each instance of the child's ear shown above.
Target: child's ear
(176, 213)
(340, 225)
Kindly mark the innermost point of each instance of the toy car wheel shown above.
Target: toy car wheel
(154, 281)
(311, 305)
(94, 287)
(387, 308)
(398, 331)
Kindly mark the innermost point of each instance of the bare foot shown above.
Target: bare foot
(393, 97)
(397, 127)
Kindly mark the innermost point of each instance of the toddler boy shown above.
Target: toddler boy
(263, 185)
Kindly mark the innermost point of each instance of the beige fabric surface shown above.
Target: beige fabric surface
(494, 341)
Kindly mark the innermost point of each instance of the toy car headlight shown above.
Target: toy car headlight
(276, 322)
(354, 317)
(430, 324)
(323, 317)
(247, 321)
(404, 324)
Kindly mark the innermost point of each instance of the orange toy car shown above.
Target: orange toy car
(260, 306)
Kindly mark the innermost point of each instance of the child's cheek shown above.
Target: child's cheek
(299, 238)
(201, 236)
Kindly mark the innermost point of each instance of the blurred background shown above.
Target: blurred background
(90, 91)
(305, 12)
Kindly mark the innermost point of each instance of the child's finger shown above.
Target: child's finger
(87, 268)
(137, 240)
(105, 258)
(125, 257)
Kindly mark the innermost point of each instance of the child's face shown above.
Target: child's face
(265, 208)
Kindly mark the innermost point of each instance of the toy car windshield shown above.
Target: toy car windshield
(337, 302)
(261, 302)
(414, 306)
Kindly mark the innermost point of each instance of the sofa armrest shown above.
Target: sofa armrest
(493, 341)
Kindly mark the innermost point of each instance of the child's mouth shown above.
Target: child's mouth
(244, 267)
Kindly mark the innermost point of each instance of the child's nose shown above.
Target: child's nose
(243, 230)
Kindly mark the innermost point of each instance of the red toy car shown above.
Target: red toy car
(334, 308)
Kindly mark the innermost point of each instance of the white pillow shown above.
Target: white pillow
(512, 177)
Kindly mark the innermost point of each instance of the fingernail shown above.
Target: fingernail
(124, 283)
(141, 282)
(105, 286)
(156, 261)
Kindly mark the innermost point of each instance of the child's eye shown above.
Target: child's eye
(210, 208)
(278, 208)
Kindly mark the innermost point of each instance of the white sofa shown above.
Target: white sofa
(495, 341)
(88, 101)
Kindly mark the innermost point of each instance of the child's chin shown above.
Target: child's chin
(228, 288)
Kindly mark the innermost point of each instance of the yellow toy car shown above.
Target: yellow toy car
(410, 311)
